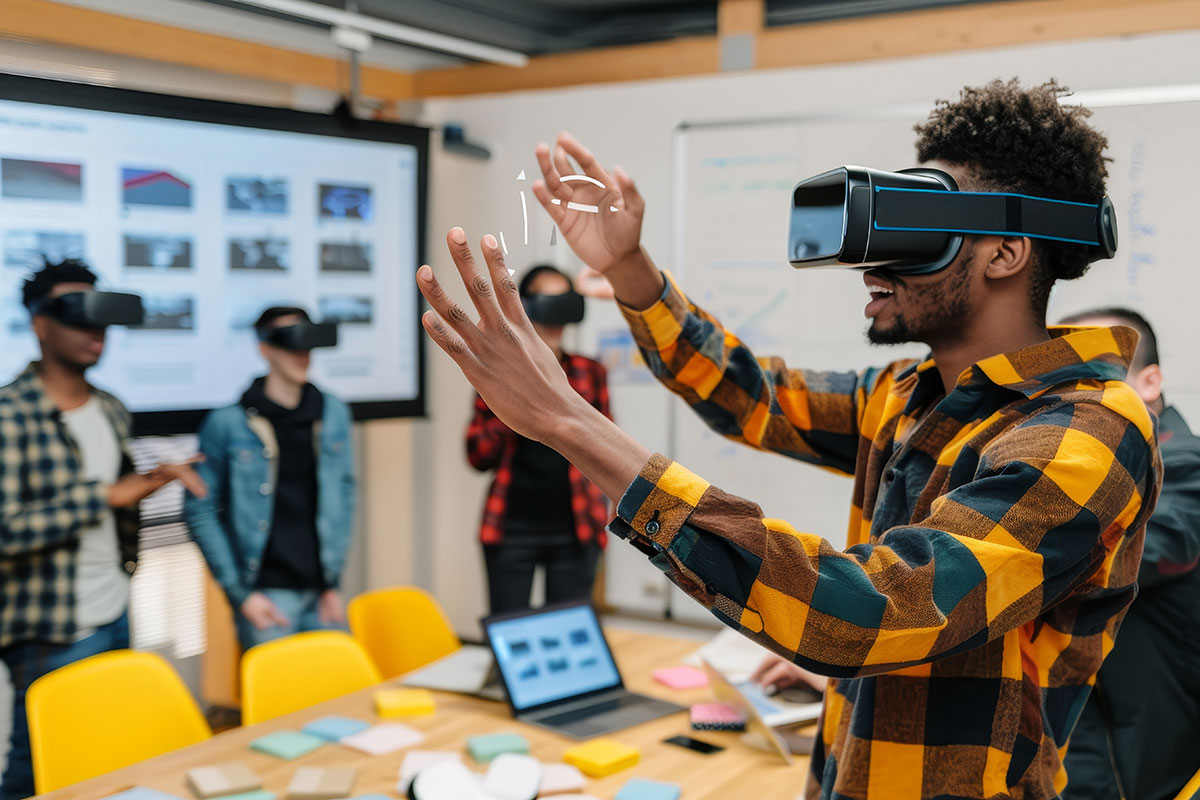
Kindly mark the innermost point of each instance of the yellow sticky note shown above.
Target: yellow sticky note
(391, 703)
(601, 757)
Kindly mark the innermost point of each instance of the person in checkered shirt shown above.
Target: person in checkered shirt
(1002, 485)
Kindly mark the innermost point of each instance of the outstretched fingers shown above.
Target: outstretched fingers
(447, 323)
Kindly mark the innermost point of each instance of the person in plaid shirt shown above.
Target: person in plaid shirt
(540, 509)
(1002, 485)
(68, 509)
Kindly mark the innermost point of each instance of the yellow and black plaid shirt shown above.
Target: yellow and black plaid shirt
(995, 536)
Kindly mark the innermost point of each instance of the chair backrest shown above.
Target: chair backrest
(403, 628)
(106, 712)
(301, 670)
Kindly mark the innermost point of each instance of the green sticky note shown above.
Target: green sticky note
(484, 748)
(287, 745)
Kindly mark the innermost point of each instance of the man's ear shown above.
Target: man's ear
(1148, 384)
(1009, 255)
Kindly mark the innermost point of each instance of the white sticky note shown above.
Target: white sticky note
(447, 781)
(417, 761)
(512, 776)
(561, 778)
(379, 740)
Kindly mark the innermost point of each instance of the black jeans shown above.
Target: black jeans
(570, 567)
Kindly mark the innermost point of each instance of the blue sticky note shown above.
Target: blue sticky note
(484, 748)
(642, 789)
(335, 728)
(142, 793)
(287, 745)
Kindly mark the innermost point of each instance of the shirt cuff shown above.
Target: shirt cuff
(659, 326)
(659, 501)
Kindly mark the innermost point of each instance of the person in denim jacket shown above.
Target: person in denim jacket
(277, 524)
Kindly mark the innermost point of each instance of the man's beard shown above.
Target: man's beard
(941, 318)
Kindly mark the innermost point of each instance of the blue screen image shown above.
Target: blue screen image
(551, 656)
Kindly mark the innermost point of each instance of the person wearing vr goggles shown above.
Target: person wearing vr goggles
(69, 496)
(1002, 485)
(540, 510)
(278, 523)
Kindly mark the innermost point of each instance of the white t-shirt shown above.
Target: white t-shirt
(101, 583)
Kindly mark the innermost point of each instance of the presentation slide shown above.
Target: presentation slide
(210, 224)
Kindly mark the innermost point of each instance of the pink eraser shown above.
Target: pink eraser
(681, 677)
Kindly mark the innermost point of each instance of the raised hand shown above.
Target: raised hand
(602, 223)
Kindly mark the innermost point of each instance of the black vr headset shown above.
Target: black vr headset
(91, 310)
(301, 335)
(555, 309)
(913, 221)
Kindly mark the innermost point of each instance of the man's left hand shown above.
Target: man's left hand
(330, 608)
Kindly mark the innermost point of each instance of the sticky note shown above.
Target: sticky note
(322, 783)
(484, 748)
(447, 781)
(288, 745)
(221, 780)
(382, 739)
(259, 795)
(560, 779)
(391, 703)
(681, 678)
(335, 728)
(512, 776)
(601, 757)
(642, 789)
(417, 761)
(717, 717)
(141, 793)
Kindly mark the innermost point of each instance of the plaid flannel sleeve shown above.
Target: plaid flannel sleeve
(809, 415)
(31, 523)
(1051, 505)
(487, 437)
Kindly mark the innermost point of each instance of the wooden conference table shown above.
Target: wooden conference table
(737, 772)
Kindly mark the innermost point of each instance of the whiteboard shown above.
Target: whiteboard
(733, 185)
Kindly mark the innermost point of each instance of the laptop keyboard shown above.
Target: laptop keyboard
(594, 712)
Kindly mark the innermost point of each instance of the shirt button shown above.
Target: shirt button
(262, 525)
(130, 566)
(889, 474)
(652, 527)
(264, 489)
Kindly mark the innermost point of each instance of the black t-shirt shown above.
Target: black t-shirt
(292, 558)
(540, 493)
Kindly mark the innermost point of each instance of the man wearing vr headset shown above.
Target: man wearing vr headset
(1002, 485)
(540, 509)
(277, 526)
(69, 496)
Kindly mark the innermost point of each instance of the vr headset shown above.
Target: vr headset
(913, 221)
(91, 310)
(301, 335)
(555, 309)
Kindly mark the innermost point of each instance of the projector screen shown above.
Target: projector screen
(212, 212)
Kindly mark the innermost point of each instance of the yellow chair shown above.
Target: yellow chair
(403, 629)
(77, 712)
(302, 670)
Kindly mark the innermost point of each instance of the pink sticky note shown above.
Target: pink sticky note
(716, 714)
(681, 677)
(380, 740)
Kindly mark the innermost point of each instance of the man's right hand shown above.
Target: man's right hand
(778, 673)
(262, 613)
(608, 240)
(136, 487)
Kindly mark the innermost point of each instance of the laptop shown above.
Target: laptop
(469, 670)
(558, 673)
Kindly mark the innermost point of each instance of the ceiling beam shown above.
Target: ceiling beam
(45, 21)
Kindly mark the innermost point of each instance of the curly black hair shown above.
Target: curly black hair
(1012, 139)
(40, 283)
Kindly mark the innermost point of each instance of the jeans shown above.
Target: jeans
(300, 608)
(28, 661)
(570, 567)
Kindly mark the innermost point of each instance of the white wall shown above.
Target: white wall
(631, 125)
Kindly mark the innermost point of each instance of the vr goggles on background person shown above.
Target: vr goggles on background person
(91, 309)
(912, 222)
(301, 335)
(555, 309)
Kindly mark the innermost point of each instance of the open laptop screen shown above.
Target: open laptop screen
(551, 655)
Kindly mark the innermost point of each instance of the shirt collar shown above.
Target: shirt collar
(1071, 353)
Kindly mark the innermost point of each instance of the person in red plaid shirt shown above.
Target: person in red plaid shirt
(540, 509)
